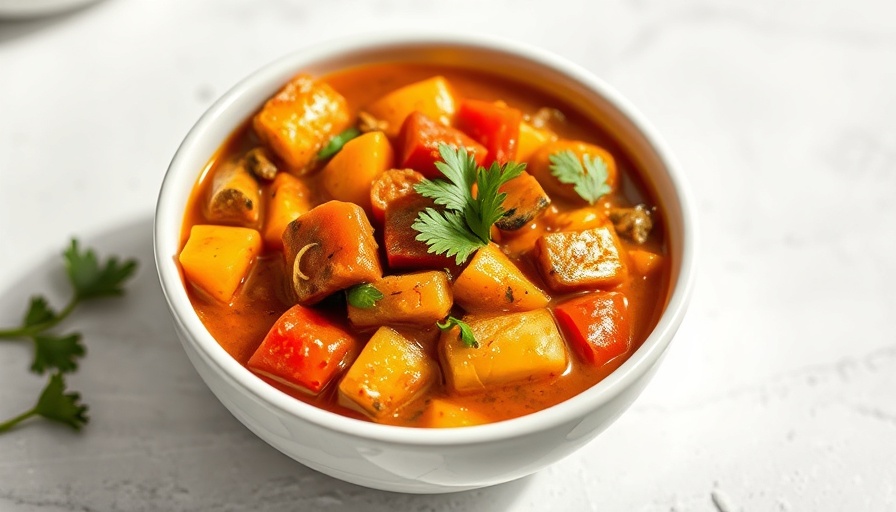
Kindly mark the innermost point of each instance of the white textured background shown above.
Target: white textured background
(778, 394)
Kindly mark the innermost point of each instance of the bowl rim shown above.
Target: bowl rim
(168, 220)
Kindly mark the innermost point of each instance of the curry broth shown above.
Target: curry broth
(241, 326)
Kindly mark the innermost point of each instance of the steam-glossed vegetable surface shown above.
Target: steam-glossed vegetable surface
(424, 246)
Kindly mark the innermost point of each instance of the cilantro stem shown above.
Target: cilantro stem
(31, 330)
(8, 424)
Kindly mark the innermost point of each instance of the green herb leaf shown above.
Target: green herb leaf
(39, 312)
(466, 224)
(91, 280)
(363, 296)
(466, 334)
(589, 181)
(60, 352)
(335, 144)
(446, 233)
(56, 405)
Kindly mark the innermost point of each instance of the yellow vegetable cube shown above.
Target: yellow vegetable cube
(644, 262)
(300, 119)
(512, 348)
(441, 413)
(491, 282)
(390, 372)
(432, 97)
(347, 177)
(421, 298)
(216, 259)
(574, 260)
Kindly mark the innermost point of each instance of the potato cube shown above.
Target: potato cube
(421, 298)
(573, 260)
(347, 177)
(432, 97)
(390, 372)
(511, 348)
(491, 282)
(216, 259)
(328, 249)
(300, 119)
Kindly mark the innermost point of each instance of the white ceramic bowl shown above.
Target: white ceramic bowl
(407, 459)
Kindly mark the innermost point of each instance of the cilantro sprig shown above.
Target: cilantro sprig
(589, 181)
(59, 353)
(466, 333)
(465, 224)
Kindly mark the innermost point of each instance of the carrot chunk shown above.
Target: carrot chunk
(512, 348)
(491, 283)
(304, 350)
(217, 259)
(420, 139)
(644, 262)
(433, 97)
(302, 117)
(494, 125)
(390, 372)
(288, 199)
(328, 249)
(572, 260)
(596, 325)
(420, 298)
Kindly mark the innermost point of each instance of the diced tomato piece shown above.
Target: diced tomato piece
(596, 325)
(420, 138)
(496, 126)
(304, 350)
(403, 250)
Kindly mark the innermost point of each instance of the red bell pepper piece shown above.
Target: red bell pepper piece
(596, 325)
(304, 350)
(496, 126)
(421, 136)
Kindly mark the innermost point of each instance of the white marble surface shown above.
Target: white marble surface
(778, 394)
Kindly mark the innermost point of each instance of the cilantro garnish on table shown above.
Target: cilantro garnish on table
(59, 353)
(465, 224)
(588, 180)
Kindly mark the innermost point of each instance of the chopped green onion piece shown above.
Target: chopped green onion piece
(337, 142)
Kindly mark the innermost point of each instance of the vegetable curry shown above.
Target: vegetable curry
(424, 246)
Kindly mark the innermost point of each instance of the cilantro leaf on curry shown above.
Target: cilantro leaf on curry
(466, 223)
(589, 181)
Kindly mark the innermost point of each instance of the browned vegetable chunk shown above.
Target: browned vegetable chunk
(235, 196)
(260, 164)
(300, 119)
(328, 249)
(632, 223)
(572, 260)
(525, 199)
(419, 298)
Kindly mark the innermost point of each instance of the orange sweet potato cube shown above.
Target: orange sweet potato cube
(328, 249)
(573, 260)
(300, 119)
